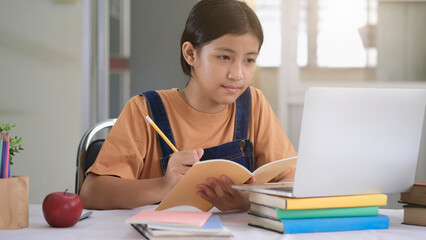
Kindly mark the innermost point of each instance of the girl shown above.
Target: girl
(217, 115)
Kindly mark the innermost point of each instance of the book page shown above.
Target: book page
(270, 170)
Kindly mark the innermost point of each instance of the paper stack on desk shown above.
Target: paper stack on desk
(179, 224)
(317, 214)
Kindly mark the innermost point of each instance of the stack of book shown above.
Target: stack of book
(415, 204)
(178, 224)
(317, 214)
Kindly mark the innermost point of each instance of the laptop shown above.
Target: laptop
(356, 141)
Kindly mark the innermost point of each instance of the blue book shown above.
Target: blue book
(2, 158)
(211, 225)
(213, 222)
(309, 225)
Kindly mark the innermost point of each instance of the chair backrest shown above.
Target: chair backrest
(88, 150)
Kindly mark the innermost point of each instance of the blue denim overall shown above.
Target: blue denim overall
(240, 150)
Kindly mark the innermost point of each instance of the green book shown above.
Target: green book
(278, 213)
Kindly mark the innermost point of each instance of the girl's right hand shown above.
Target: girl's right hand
(179, 163)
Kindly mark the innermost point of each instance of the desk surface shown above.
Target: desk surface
(111, 225)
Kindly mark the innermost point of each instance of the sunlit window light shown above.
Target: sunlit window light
(269, 13)
(332, 33)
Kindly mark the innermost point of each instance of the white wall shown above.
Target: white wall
(402, 41)
(40, 89)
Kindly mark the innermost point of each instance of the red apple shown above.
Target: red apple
(62, 209)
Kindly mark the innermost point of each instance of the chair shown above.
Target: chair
(88, 150)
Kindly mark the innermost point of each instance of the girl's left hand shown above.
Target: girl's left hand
(224, 198)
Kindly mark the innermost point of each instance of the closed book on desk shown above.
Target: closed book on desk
(170, 218)
(310, 225)
(278, 213)
(416, 195)
(213, 224)
(212, 229)
(153, 234)
(415, 215)
(318, 202)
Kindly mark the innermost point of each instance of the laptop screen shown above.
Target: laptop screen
(359, 141)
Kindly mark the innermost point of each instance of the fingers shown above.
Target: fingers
(288, 175)
(213, 193)
(200, 152)
(179, 163)
(187, 157)
(220, 193)
(227, 184)
(251, 180)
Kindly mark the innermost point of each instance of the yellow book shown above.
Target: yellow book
(363, 200)
(185, 191)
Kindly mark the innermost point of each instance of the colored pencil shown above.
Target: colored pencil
(1, 155)
(7, 163)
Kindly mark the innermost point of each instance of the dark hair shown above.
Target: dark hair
(211, 19)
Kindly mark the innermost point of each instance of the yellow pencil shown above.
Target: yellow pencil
(161, 133)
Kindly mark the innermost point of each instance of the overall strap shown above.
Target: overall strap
(159, 116)
(242, 115)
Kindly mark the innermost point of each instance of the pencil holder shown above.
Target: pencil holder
(14, 202)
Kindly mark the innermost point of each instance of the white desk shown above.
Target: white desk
(111, 225)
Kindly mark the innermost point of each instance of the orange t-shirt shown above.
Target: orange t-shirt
(131, 149)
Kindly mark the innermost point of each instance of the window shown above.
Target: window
(332, 33)
(269, 13)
